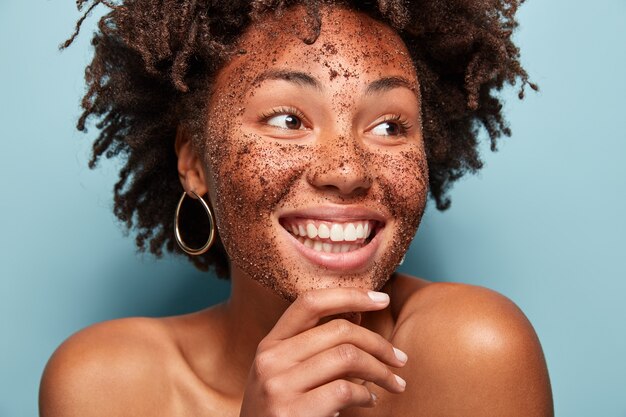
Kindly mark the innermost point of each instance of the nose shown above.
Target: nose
(340, 165)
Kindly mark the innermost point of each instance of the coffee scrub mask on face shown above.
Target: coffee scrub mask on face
(294, 126)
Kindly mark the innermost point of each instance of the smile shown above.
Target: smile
(336, 239)
(331, 237)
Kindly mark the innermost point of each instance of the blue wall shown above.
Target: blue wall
(543, 223)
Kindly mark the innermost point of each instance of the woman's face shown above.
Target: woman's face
(314, 156)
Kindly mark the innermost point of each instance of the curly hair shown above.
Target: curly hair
(154, 60)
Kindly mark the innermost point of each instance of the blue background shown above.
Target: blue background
(543, 223)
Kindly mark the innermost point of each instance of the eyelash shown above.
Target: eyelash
(282, 111)
(401, 121)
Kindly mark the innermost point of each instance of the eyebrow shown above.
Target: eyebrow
(385, 84)
(297, 77)
(300, 78)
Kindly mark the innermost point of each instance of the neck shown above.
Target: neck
(249, 314)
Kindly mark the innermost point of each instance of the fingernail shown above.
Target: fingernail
(336, 414)
(400, 355)
(378, 297)
(401, 381)
(374, 397)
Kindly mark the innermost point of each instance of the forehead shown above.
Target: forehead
(351, 48)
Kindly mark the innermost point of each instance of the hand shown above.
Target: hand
(302, 369)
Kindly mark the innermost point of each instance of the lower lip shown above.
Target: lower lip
(347, 261)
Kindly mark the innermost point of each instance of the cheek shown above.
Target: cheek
(250, 177)
(256, 174)
(404, 182)
(404, 190)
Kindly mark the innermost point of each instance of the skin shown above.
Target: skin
(298, 338)
(337, 158)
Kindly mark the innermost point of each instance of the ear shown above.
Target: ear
(190, 169)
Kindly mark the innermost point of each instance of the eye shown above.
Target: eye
(387, 129)
(391, 126)
(285, 121)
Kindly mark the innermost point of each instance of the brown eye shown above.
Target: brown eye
(292, 122)
(394, 125)
(387, 129)
(285, 121)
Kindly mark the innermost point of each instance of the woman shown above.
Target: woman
(314, 132)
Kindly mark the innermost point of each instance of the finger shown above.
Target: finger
(330, 398)
(337, 363)
(352, 317)
(332, 334)
(311, 306)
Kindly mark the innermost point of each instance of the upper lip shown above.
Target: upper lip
(334, 213)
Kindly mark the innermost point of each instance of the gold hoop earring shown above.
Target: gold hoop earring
(179, 239)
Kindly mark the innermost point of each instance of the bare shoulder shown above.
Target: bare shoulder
(472, 352)
(106, 370)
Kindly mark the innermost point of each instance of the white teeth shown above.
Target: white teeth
(360, 232)
(349, 233)
(311, 231)
(323, 231)
(336, 233)
(318, 246)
